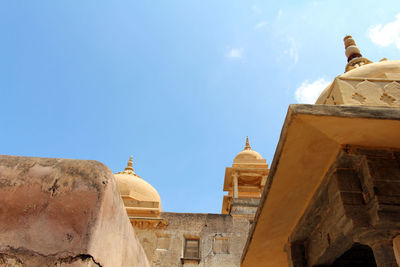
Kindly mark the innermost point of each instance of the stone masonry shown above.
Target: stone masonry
(221, 239)
(356, 206)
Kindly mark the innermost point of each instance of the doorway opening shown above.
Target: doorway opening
(357, 256)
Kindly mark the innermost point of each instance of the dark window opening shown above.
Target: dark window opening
(357, 256)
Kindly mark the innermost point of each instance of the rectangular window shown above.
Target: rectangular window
(192, 249)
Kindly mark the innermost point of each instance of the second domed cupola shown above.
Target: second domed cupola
(248, 156)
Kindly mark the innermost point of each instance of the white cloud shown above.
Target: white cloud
(387, 34)
(260, 25)
(308, 92)
(234, 53)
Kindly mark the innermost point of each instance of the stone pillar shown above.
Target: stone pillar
(235, 177)
(384, 254)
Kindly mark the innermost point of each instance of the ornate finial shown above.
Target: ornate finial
(353, 54)
(129, 167)
(247, 147)
(352, 50)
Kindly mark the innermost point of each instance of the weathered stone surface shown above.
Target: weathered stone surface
(384, 254)
(355, 204)
(165, 247)
(244, 207)
(296, 254)
(310, 139)
(62, 212)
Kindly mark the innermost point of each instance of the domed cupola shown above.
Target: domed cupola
(140, 198)
(247, 155)
(244, 182)
(364, 82)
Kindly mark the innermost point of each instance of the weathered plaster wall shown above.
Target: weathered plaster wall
(62, 212)
(164, 247)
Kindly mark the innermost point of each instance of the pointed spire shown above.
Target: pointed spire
(353, 54)
(352, 51)
(247, 147)
(129, 167)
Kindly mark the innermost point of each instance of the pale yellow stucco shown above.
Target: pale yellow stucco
(133, 186)
(251, 171)
(140, 198)
(310, 140)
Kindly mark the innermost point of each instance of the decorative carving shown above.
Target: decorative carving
(343, 93)
(353, 54)
(392, 90)
(360, 98)
(129, 168)
(370, 91)
(143, 223)
(387, 98)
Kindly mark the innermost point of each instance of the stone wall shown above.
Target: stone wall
(62, 212)
(357, 204)
(221, 239)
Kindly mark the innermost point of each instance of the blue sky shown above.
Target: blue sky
(176, 84)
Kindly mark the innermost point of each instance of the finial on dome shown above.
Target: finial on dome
(247, 147)
(352, 51)
(353, 54)
(129, 167)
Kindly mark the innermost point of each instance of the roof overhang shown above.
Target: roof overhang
(310, 140)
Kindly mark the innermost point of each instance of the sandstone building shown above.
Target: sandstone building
(330, 198)
(192, 239)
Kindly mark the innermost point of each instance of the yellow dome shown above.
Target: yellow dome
(323, 95)
(364, 82)
(383, 69)
(133, 187)
(247, 155)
